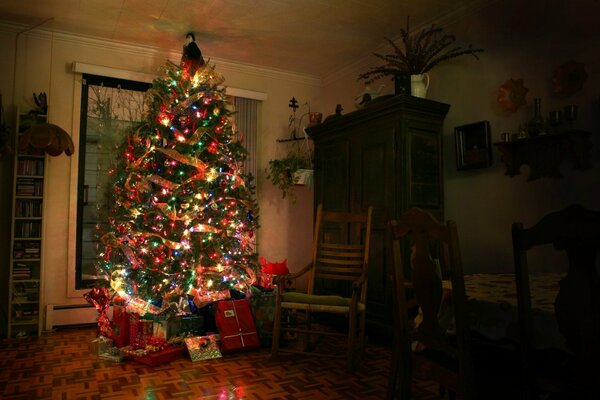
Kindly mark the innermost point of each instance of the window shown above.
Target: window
(110, 107)
(245, 119)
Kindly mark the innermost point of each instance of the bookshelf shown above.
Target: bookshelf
(26, 267)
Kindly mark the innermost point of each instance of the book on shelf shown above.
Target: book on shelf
(28, 208)
(30, 166)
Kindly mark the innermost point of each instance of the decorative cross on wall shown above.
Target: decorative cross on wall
(293, 104)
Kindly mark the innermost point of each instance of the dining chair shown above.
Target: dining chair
(549, 372)
(337, 279)
(423, 347)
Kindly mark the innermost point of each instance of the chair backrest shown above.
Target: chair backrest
(341, 248)
(430, 241)
(576, 230)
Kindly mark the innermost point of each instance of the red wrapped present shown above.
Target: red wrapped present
(120, 326)
(100, 299)
(163, 356)
(134, 327)
(236, 325)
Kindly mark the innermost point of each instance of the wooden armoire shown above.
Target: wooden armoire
(389, 155)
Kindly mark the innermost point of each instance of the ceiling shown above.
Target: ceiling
(315, 37)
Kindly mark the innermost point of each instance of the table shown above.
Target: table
(492, 304)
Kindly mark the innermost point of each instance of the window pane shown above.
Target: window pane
(110, 109)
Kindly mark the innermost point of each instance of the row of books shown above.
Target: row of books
(22, 271)
(28, 166)
(28, 229)
(29, 187)
(24, 313)
(22, 254)
(27, 249)
(28, 208)
(26, 291)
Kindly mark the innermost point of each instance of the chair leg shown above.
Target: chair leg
(361, 332)
(400, 378)
(307, 338)
(394, 371)
(276, 333)
(352, 339)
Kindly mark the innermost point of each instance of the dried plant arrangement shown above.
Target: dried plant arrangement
(418, 54)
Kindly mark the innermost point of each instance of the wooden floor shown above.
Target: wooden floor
(58, 365)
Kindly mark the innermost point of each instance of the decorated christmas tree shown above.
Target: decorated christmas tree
(182, 213)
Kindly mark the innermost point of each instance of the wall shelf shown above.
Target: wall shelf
(545, 153)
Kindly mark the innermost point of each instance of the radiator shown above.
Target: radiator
(77, 314)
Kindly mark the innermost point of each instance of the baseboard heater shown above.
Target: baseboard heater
(72, 314)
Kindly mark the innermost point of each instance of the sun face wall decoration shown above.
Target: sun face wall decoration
(511, 95)
(568, 78)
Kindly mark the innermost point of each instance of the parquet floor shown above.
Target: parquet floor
(59, 365)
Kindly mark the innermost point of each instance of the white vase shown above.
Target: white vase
(303, 177)
(419, 85)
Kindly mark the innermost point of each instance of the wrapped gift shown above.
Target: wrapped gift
(236, 325)
(134, 327)
(100, 345)
(162, 357)
(111, 354)
(100, 299)
(160, 329)
(190, 325)
(166, 327)
(145, 328)
(203, 347)
(120, 325)
(269, 269)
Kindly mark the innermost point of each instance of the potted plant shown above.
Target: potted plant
(417, 54)
(293, 169)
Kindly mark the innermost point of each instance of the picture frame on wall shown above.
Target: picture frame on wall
(473, 146)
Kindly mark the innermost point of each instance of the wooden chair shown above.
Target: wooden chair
(446, 357)
(575, 230)
(340, 258)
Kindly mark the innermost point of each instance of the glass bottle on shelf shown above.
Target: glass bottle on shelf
(536, 125)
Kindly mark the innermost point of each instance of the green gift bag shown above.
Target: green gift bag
(263, 308)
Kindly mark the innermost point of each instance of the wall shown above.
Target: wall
(526, 40)
(44, 63)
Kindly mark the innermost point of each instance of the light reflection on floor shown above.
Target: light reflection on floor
(231, 392)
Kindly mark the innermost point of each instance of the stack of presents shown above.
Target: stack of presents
(242, 322)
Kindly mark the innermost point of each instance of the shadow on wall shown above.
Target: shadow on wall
(300, 231)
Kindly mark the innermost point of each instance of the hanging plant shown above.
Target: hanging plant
(282, 172)
(417, 53)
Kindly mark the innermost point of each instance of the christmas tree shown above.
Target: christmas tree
(182, 214)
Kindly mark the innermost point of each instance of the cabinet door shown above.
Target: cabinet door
(421, 151)
(374, 178)
(332, 174)
(331, 189)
